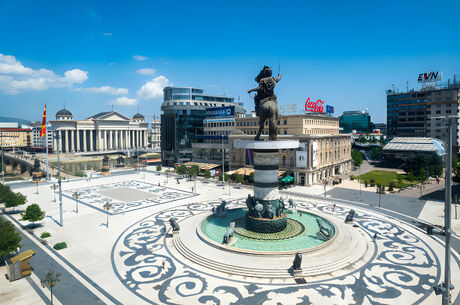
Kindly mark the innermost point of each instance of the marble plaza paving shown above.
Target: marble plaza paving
(132, 261)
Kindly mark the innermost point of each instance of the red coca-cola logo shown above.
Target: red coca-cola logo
(314, 106)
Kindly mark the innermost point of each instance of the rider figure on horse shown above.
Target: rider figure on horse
(266, 103)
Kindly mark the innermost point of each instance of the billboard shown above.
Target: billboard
(301, 159)
(220, 111)
(318, 106)
(314, 154)
(430, 77)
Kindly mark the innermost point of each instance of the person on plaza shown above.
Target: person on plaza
(334, 208)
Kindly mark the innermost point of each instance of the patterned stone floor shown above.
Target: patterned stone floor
(127, 196)
(405, 266)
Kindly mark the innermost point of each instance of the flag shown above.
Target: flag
(43, 130)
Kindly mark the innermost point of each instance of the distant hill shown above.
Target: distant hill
(19, 121)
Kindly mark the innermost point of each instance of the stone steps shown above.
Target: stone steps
(352, 251)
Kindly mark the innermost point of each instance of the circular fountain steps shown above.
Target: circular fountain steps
(349, 250)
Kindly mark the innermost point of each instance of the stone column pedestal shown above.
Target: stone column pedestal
(265, 210)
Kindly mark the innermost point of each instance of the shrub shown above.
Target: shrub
(365, 183)
(59, 246)
(80, 174)
(352, 177)
(207, 174)
(158, 168)
(45, 235)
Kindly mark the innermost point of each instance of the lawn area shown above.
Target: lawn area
(384, 177)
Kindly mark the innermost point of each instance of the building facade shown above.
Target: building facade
(323, 152)
(319, 157)
(13, 137)
(217, 126)
(355, 121)
(308, 124)
(106, 131)
(184, 110)
(155, 134)
(40, 142)
(418, 113)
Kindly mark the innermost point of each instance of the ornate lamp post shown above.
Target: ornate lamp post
(54, 187)
(107, 207)
(50, 280)
(75, 196)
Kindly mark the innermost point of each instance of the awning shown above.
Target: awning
(246, 171)
(202, 166)
(287, 179)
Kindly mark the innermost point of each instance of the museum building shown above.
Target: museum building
(105, 131)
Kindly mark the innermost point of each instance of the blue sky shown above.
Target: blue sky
(93, 54)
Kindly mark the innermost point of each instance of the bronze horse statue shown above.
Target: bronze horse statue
(266, 103)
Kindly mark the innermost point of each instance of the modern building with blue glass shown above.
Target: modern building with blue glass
(184, 109)
(355, 121)
(420, 113)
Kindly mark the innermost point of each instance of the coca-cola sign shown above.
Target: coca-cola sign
(318, 106)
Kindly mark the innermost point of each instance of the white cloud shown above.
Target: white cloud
(146, 71)
(124, 101)
(153, 89)
(15, 78)
(76, 76)
(105, 90)
(107, 34)
(139, 57)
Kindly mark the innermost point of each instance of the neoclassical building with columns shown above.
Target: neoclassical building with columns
(105, 131)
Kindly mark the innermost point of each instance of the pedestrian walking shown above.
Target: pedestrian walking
(334, 208)
(163, 263)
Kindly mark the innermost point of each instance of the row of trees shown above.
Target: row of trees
(370, 139)
(421, 166)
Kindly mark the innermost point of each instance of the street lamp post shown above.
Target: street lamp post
(107, 207)
(380, 190)
(59, 180)
(3, 166)
(325, 184)
(54, 187)
(223, 163)
(448, 201)
(75, 196)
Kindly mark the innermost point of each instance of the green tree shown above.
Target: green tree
(193, 171)
(13, 200)
(382, 141)
(181, 170)
(361, 139)
(226, 177)
(158, 168)
(251, 177)
(357, 157)
(207, 174)
(422, 174)
(239, 178)
(9, 237)
(375, 153)
(33, 213)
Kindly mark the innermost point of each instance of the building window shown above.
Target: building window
(285, 122)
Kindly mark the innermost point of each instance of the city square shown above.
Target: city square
(133, 258)
(227, 153)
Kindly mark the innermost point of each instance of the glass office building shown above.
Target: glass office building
(184, 110)
(359, 121)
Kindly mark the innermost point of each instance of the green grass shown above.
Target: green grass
(384, 177)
